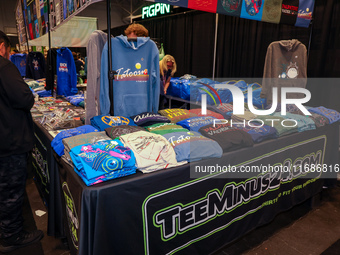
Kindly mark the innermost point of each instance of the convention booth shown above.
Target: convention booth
(192, 208)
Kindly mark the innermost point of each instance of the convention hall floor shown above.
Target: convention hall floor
(305, 229)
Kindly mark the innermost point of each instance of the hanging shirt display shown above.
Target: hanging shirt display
(19, 61)
(35, 65)
(289, 11)
(285, 66)
(51, 68)
(66, 72)
(136, 83)
(94, 50)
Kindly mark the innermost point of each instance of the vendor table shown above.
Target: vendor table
(46, 177)
(181, 210)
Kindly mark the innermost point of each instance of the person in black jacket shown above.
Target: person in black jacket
(16, 141)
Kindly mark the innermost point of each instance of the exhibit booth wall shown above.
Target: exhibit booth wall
(242, 45)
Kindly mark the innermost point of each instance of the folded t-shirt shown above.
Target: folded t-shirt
(330, 114)
(225, 109)
(104, 121)
(164, 128)
(57, 143)
(192, 146)
(258, 133)
(195, 123)
(198, 111)
(229, 138)
(152, 151)
(117, 131)
(102, 161)
(148, 118)
(176, 114)
(88, 138)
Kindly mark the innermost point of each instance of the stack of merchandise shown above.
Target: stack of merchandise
(150, 142)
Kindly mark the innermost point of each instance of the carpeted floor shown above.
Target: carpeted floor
(333, 250)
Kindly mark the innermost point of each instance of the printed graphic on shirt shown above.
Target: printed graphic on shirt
(272, 11)
(146, 146)
(290, 72)
(252, 9)
(63, 67)
(203, 5)
(115, 120)
(22, 63)
(305, 13)
(181, 3)
(137, 73)
(35, 64)
(289, 11)
(229, 7)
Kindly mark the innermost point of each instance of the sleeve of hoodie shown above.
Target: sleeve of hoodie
(104, 99)
(267, 72)
(19, 94)
(155, 80)
(92, 76)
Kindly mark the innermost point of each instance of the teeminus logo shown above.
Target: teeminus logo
(238, 100)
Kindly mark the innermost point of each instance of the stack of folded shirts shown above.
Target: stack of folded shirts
(104, 121)
(283, 126)
(318, 119)
(152, 151)
(57, 143)
(198, 112)
(195, 123)
(102, 161)
(303, 122)
(248, 115)
(331, 115)
(258, 133)
(225, 109)
(114, 132)
(88, 138)
(229, 138)
(164, 128)
(192, 146)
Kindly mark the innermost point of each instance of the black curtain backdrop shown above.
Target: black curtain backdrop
(242, 45)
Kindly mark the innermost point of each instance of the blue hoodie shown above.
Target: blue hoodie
(19, 61)
(136, 84)
(66, 73)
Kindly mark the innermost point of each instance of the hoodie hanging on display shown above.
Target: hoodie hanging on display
(285, 66)
(66, 73)
(136, 83)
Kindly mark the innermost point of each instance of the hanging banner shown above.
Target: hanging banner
(35, 15)
(63, 10)
(79, 27)
(21, 28)
(293, 12)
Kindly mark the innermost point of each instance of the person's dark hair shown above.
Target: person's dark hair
(4, 38)
(75, 56)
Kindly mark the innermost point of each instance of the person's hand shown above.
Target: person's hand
(164, 91)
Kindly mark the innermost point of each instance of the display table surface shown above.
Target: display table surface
(179, 211)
